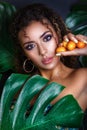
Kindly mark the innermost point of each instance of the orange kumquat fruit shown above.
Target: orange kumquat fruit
(64, 43)
(71, 45)
(60, 49)
(80, 44)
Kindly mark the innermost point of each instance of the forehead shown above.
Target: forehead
(35, 28)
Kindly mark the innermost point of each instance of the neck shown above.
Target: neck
(58, 71)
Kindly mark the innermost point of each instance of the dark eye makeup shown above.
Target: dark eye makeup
(29, 46)
(47, 37)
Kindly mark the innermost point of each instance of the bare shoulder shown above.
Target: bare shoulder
(81, 73)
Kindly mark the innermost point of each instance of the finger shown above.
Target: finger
(65, 38)
(75, 52)
(61, 44)
(71, 37)
(82, 38)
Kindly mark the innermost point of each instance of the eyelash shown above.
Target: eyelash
(30, 46)
(46, 38)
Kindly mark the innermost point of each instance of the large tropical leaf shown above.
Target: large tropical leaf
(0, 76)
(65, 112)
(6, 45)
(77, 20)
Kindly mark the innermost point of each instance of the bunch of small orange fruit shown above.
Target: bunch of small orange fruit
(69, 46)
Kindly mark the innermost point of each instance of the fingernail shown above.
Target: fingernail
(58, 54)
(85, 41)
(76, 41)
(66, 40)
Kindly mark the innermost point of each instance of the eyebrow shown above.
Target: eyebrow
(40, 37)
(44, 34)
(25, 43)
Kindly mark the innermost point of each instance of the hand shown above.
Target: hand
(75, 38)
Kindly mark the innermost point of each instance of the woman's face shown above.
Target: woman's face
(39, 42)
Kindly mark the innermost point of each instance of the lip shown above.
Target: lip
(47, 60)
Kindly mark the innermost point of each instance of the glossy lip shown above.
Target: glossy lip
(47, 60)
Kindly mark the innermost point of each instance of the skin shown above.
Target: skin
(39, 43)
(76, 38)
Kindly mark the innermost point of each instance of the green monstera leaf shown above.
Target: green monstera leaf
(0, 76)
(6, 44)
(77, 22)
(66, 112)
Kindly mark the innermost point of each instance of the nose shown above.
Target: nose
(42, 49)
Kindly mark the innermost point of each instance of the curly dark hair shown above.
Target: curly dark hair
(37, 12)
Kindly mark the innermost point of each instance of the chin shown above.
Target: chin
(50, 67)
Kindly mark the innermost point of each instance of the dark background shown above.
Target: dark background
(61, 6)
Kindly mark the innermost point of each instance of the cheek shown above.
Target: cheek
(53, 46)
(36, 60)
(32, 56)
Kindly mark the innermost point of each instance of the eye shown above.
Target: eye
(47, 38)
(29, 46)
